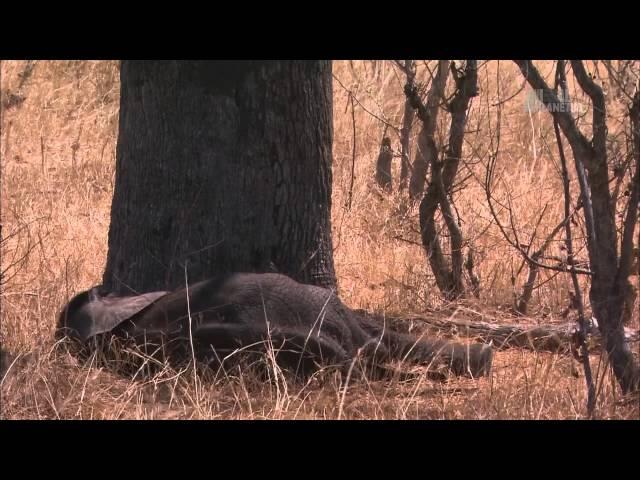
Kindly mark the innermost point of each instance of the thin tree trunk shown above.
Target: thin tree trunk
(607, 282)
(405, 132)
(581, 334)
(431, 239)
(607, 292)
(426, 145)
(221, 166)
(630, 255)
(449, 277)
(466, 89)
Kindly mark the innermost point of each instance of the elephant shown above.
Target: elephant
(306, 327)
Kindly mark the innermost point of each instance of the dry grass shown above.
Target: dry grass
(58, 155)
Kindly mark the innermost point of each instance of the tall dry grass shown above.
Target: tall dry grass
(59, 130)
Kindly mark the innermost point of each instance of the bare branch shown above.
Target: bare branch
(550, 99)
(597, 98)
(514, 243)
(382, 119)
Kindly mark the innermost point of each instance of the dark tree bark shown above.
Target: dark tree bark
(428, 114)
(407, 123)
(630, 255)
(466, 89)
(383, 165)
(610, 270)
(221, 166)
(448, 275)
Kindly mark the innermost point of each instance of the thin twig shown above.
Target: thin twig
(377, 117)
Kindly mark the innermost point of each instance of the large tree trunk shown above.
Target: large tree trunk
(221, 166)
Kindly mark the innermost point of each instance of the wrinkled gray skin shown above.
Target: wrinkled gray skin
(307, 326)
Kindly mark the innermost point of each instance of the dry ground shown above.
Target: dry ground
(59, 130)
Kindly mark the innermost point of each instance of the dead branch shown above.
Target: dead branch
(514, 242)
(382, 118)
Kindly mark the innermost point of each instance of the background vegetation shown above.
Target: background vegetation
(59, 129)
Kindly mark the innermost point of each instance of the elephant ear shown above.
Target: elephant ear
(103, 314)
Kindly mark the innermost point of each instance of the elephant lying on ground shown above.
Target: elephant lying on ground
(306, 327)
